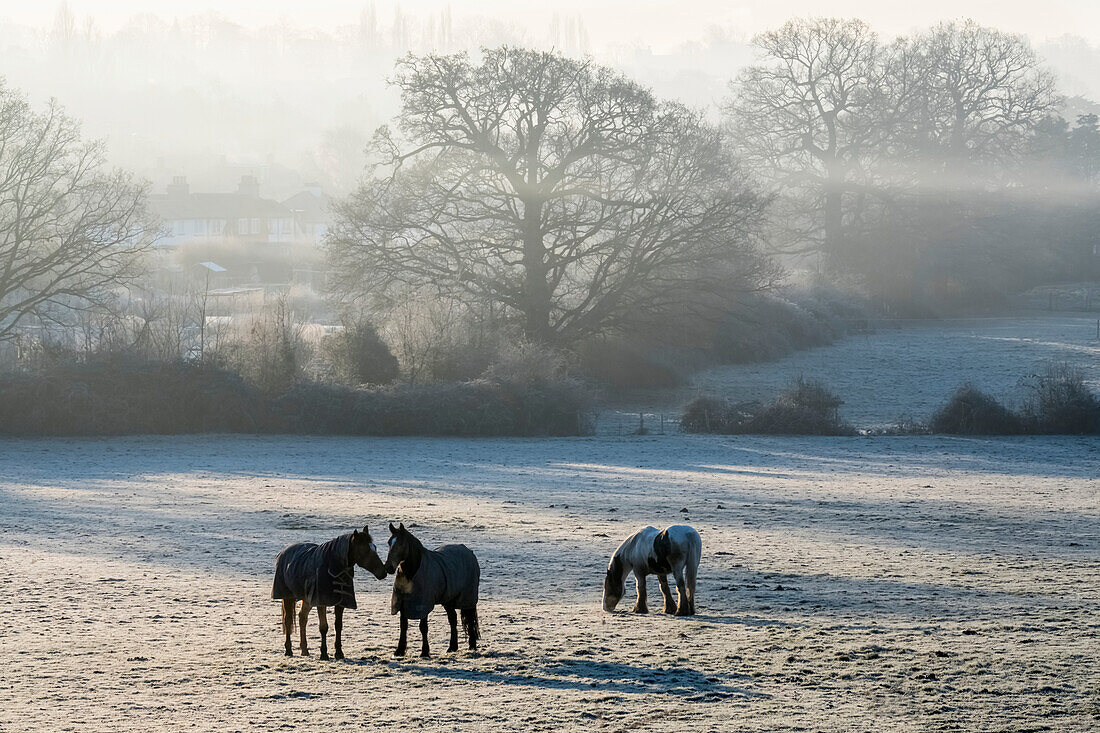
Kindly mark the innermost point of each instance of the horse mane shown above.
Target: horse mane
(615, 568)
(337, 551)
(411, 564)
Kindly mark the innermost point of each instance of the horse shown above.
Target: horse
(319, 576)
(676, 549)
(448, 575)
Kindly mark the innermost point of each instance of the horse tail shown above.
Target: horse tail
(288, 614)
(695, 552)
(470, 625)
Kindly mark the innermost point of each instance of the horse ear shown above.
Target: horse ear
(393, 530)
(366, 531)
(402, 527)
(355, 533)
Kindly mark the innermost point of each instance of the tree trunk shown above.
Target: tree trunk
(536, 289)
(834, 221)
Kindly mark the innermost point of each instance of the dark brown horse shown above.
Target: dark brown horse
(319, 576)
(448, 575)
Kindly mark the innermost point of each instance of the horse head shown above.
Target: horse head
(364, 554)
(403, 546)
(613, 584)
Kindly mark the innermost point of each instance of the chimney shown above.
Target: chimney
(249, 186)
(178, 188)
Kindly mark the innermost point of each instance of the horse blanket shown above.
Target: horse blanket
(319, 574)
(449, 576)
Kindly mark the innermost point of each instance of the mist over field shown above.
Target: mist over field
(512, 301)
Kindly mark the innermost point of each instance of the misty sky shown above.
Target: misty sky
(657, 24)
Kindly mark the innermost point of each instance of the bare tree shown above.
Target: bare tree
(806, 119)
(973, 96)
(71, 233)
(549, 188)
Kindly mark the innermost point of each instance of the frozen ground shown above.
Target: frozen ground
(867, 584)
(904, 371)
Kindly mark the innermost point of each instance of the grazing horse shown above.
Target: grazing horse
(676, 550)
(319, 576)
(448, 575)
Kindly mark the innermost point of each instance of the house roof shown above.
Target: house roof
(216, 206)
(310, 207)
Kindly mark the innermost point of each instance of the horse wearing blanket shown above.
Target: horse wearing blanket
(448, 575)
(319, 576)
(675, 550)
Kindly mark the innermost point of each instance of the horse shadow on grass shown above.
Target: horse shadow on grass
(572, 673)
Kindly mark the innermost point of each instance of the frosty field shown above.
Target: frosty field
(847, 584)
(900, 370)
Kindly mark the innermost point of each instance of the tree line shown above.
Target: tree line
(931, 171)
(559, 200)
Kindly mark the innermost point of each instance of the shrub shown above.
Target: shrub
(358, 355)
(765, 327)
(972, 412)
(806, 407)
(713, 415)
(476, 408)
(120, 395)
(1060, 403)
(623, 365)
(271, 355)
(528, 363)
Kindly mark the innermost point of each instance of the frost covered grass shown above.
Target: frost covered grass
(911, 370)
(907, 583)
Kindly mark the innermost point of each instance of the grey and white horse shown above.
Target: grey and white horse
(675, 550)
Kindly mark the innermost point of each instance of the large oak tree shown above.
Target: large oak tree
(553, 189)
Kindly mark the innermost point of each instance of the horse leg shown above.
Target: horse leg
(303, 621)
(689, 580)
(322, 622)
(288, 624)
(640, 606)
(424, 653)
(452, 619)
(400, 651)
(683, 605)
(339, 651)
(670, 606)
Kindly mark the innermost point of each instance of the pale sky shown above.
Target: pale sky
(659, 25)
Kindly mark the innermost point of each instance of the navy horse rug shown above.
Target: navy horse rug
(322, 575)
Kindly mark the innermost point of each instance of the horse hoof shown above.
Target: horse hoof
(338, 655)
(399, 653)
(425, 655)
(305, 653)
(324, 656)
(452, 649)
(289, 653)
(641, 610)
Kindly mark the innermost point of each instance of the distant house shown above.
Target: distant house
(205, 217)
(311, 208)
